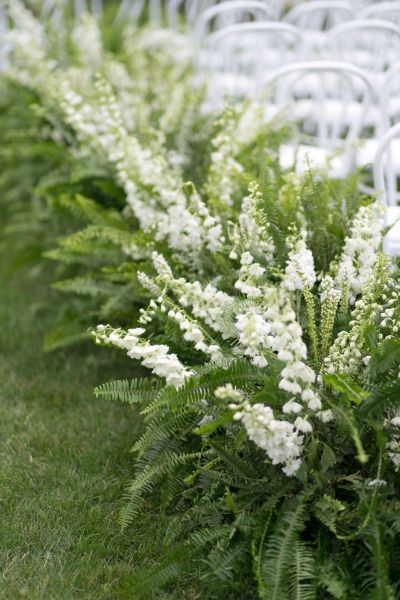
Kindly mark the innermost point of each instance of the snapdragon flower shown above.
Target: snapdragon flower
(360, 250)
(390, 312)
(253, 333)
(330, 298)
(249, 275)
(28, 46)
(186, 225)
(194, 334)
(281, 440)
(156, 357)
(349, 352)
(224, 171)
(254, 232)
(286, 341)
(300, 271)
(87, 39)
(208, 304)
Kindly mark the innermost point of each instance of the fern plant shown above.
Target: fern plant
(259, 300)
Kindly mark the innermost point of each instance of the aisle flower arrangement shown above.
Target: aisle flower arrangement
(259, 302)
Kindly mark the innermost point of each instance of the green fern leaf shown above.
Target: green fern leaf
(131, 391)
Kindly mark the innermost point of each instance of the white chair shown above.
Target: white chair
(191, 10)
(384, 11)
(370, 44)
(330, 115)
(238, 57)
(162, 12)
(319, 15)
(384, 114)
(386, 181)
(232, 12)
(316, 18)
(390, 96)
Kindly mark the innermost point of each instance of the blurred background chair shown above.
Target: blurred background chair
(317, 17)
(233, 12)
(384, 11)
(246, 53)
(370, 44)
(383, 114)
(386, 182)
(330, 116)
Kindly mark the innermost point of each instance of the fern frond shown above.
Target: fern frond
(85, 286)
(131, 391)
(381, 588)
(279, 553)
(90, 211)
(146, 479)
(302, 582)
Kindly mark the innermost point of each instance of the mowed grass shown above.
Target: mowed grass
(64, 459)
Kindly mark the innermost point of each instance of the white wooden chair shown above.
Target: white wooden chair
(232, 12)
(163, 12)
(384, 114)
(386, 182)
(190, 10)
(329, 125)
(384, 11)
(239, 57)
(319, 15)
(370, 44)
(316, 18)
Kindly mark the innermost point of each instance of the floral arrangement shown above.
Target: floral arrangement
(259, 301)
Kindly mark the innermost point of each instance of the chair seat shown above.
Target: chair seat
(366, 153)
(304, 156)
(233, 84)
(391, 241)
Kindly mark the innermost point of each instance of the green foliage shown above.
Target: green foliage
(281, 554)
(157, 173)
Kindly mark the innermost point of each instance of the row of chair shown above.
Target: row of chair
(331, 67)
(171, 12)
(369, 44)
(313, 16)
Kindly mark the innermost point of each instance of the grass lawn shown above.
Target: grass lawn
(64, 459)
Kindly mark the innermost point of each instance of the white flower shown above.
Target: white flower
(192, 333)
(253, 227)
(253, 335)
(360, 250)
(303, 425)
(228, 392)
(280, 439)
(285, 339)
(87, 39)
(378, 482)
(300, 272)
(208, 304)
(325, 415)
(155, 357)
(292, 407)
(249, 274)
